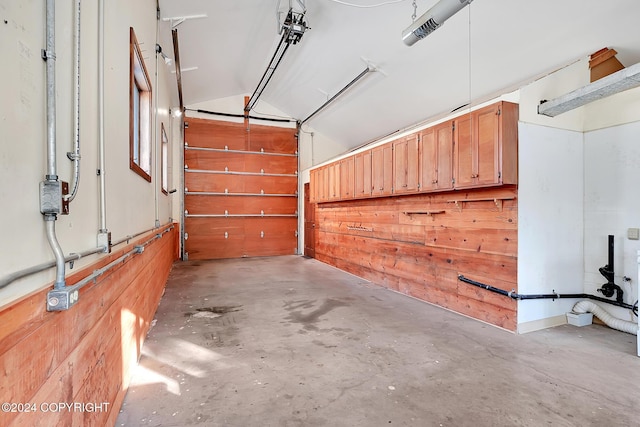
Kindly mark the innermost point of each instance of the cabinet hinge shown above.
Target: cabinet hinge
(499, 175)
(499, 111)
(453, 126)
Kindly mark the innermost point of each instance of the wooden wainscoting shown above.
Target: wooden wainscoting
(85, 354)
(418, 245)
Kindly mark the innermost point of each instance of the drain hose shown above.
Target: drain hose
(608, 319)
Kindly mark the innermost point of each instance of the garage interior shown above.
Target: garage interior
(320, 212)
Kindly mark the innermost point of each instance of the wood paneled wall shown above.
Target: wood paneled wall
(85, 354)
(419, 244)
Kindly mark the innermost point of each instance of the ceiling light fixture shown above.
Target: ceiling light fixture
(366, 71)
(627, 78)
(164, 56)
(432, 20)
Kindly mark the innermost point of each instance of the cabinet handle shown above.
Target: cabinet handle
(405, 185)
(435, 181)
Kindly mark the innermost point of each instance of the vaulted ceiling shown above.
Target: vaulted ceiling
(488, 48)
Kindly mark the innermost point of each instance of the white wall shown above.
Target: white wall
(130, 200)
(550, 218)
(612, 204)
(577, 172)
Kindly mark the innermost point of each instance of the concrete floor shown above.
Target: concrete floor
(289, 341)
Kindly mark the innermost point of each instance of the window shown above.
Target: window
(164, 161)
(139, 111)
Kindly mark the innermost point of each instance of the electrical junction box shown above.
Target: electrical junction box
(579, 319)
(633, 234)
(52, 198)
(62, 299)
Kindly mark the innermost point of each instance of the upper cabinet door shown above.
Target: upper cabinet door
(346, 178)
(486, 146)
(333, 171)
(428, 149)
(444, 163)
(362, 171)
(405, 164)
(487, 139)
(382, 170)
(465, 157)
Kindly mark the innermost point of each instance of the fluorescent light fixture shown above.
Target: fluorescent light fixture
(432, 20)
(625, 79)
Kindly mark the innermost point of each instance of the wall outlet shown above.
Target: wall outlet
(633, 234)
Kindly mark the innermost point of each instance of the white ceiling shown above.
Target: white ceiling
(489, 47)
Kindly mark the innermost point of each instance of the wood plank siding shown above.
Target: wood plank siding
(241, 186)
(84, 354)
(419, 244)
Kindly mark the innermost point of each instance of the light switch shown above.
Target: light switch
(633, 234)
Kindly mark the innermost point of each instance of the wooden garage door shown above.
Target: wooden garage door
(240, 190)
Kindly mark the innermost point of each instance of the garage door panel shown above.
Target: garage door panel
(195, 182)
(214, 160)
(240, 203)
(198, 205)
(227, 134)
(273, 140)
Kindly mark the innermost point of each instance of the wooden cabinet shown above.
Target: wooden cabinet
(333, 171)
(405, 165)
(486, 146)
(322, 187)
(362, 172)
(313, 183)
(347, 178)
(479, 149)
(436, 158)
(382, 170)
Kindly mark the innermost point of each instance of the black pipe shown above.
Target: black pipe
(518, 296)
(241, 116)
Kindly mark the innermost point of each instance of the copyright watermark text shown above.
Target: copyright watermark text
(56, 407)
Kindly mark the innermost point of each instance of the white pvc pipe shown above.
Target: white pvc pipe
(608, 319)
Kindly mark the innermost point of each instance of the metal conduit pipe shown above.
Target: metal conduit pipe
(7, 280)
(75, 154)
(52, 301)
(101, 154)
(51, 176)
(131, 236)
(518, 296)
(49, 56)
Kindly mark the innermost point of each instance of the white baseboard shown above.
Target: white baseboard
(536, 325)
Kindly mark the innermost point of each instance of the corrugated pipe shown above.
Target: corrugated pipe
(51, 176)
(608, 319)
